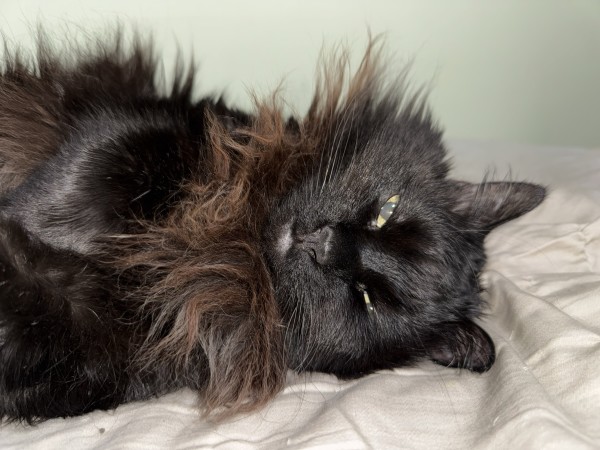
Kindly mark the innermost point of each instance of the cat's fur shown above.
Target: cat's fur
(150, 242)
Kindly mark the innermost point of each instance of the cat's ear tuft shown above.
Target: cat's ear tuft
(490, 204)
(463, 345)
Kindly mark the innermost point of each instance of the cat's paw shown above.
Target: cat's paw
(464, 345)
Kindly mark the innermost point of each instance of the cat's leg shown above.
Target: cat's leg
(116, 168)
(60, 354)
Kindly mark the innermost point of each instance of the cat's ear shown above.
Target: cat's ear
(464, 345)
(490, 204)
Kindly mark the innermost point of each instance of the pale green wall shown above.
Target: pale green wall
(509, 70)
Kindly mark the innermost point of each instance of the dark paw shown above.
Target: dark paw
(464, 345)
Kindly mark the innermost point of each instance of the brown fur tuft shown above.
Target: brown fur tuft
(28, 107)
(338, 89)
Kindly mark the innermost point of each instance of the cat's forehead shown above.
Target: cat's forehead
(354, 200)
(384, 157)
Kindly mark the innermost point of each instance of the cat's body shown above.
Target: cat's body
(149, 242)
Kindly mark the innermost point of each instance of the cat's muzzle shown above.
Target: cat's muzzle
(317, 244)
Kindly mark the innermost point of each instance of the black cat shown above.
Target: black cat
(150, 242)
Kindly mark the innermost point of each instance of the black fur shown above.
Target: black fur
(69, 329)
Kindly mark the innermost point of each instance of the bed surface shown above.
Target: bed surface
(543, 289)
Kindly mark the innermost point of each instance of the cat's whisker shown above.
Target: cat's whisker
(311, 350)
(330, 119)
(341, 127)
(343, 130)
(332, 147)
(316, 178)
(352, 130)
(352, 165)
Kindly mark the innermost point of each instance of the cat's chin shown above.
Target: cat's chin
(284, 240)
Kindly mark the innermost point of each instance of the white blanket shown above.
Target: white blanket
(543, 280)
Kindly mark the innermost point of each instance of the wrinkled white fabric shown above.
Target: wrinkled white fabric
(543, 291)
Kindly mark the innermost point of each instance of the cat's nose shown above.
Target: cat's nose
(317, 244)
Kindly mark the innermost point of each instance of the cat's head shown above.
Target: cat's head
(375, 254)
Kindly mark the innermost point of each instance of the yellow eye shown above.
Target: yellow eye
(363, 290)
(368, 303)
(386, 210)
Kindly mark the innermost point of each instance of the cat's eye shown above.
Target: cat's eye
(368, 303)
(366, 298)
(387, 210)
